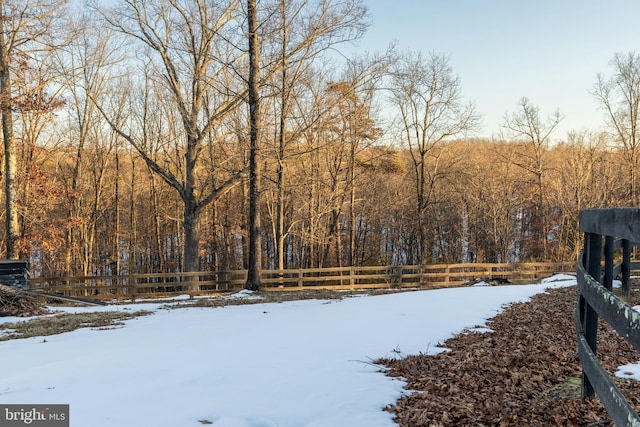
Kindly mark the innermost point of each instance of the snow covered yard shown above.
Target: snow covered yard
(291, 364)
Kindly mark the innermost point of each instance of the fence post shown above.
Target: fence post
(131, 286)
(626, 266)
(593, 249)
(395, 274)
(607, 281)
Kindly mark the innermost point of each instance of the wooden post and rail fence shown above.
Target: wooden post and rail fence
(609, 237)
(343, 278)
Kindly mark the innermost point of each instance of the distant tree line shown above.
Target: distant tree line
(165, 136)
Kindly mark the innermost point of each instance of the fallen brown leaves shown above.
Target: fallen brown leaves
(526, 372)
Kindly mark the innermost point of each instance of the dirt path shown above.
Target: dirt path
(525, 373)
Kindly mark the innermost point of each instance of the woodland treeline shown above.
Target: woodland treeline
(182, 135)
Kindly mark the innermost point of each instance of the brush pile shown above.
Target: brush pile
(14, 302)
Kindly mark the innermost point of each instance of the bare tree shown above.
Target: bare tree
(581, 182)
(428, 97)
(308, 27)
(25, 25)
(86, 66)
(527, 127)
(255, 253)
(619, 97)
(349, 131)
(192, 52)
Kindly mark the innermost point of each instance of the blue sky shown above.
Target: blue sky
(549, 51)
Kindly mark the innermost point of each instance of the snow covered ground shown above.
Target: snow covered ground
(292, 364)
(632, 370)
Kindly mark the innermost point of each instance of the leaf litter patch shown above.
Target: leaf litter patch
(525, 372)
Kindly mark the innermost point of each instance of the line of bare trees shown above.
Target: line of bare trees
(183, 135)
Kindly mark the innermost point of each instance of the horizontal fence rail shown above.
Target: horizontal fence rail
(609, 236)
(340, 278)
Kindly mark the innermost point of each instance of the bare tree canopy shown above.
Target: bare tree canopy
(526, 126)
(192, 52)
(25, 29)
(619, 97)
(428, 97)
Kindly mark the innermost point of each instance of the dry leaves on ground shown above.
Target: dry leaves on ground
(525, 372)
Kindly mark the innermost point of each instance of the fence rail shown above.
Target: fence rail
(342, 278)
(610, 235)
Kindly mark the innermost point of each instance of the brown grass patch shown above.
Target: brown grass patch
(60, 323)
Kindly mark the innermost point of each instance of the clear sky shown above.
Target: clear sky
(547, 50)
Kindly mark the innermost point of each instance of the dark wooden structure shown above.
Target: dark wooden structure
(14, 273)
(609, 235)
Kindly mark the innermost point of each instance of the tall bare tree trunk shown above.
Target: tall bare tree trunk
(191, 236)
(215, 241)
(245, 225)
(10, 159)
(312, 243)
(133, 237)
(254, 267)
(116, 233)
(280, 234)
(157, 223)
(352, 213)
